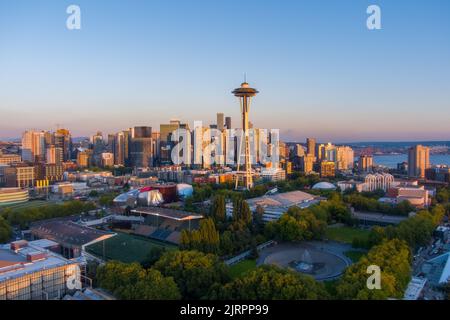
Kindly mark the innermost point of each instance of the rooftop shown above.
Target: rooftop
(437, 269)
(168, 213)
(15, 263)
(69, 232)
(287, 199)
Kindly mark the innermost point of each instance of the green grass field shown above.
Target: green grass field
(126, 248)
(241, 268)
(345, 234)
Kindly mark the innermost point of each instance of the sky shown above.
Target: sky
(320, 71)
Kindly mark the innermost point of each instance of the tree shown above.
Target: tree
(273, 283)
(205, 239)
(132, 282)
(24, 217)
(194, 272)
(242, 215)
(107, 199)
(5, 230)
(218, 209)
(394, 258)
(153, 255)
(297, 225)
(93, 194)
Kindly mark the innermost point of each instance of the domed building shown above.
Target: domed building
(324, 186)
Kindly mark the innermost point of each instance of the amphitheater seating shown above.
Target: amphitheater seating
(174, 237)
(161, 234)
(144, 230)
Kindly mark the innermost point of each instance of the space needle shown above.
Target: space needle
(245, 94)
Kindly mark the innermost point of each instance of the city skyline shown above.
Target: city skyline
(118, 70)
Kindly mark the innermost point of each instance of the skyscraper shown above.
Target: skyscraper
(166, 143)
(418, 161)
(33, 146)
(311, 146)
(63, 140)
(299, 151)
(308, 163)
(228, 122)
(141, 155)
(121, 148)
(365, 163)
(54, 155)
(344, 158)
(220, 121)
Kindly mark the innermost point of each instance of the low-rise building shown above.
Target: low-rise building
(10, 158)
(29, 271)
(275, 205)
(10, 196)
(72, 237)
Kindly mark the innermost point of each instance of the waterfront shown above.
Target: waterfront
(391, 161)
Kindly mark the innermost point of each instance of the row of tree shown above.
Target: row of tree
(415, 231)
(24, 217)
(369, 204)
(5, 230)
(222, 235)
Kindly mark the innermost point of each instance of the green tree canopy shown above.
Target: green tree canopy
(273, 283)
(194, 272)
(132, 282)
(394, 258)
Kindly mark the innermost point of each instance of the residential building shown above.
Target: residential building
(418, 161)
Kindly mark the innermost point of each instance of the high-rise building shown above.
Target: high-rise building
(365, 163)
(418, 161)
(110, 143)
(308, 163)
(166, 143)
(33, 146)
(344, 158)
(220, 121)
(299, 151)
(327, 169)
(84, 158)
(121, 148)
(311, 146)
(107, 159)
(54, 155)
(63, 140)
(228, 122)
(141, 154)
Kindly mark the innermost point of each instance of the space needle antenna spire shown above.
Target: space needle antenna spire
(245, 93)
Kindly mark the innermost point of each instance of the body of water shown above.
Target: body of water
(391, 161)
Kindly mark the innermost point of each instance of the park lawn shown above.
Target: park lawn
(354, 255)
(345, 234)
(242, 267)
(126, 248)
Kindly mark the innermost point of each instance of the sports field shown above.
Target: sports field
(126, 248)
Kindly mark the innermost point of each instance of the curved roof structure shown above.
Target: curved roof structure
(324, 186)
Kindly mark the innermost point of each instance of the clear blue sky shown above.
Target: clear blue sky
(320, 71)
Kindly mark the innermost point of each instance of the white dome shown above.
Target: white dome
(324, 186)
